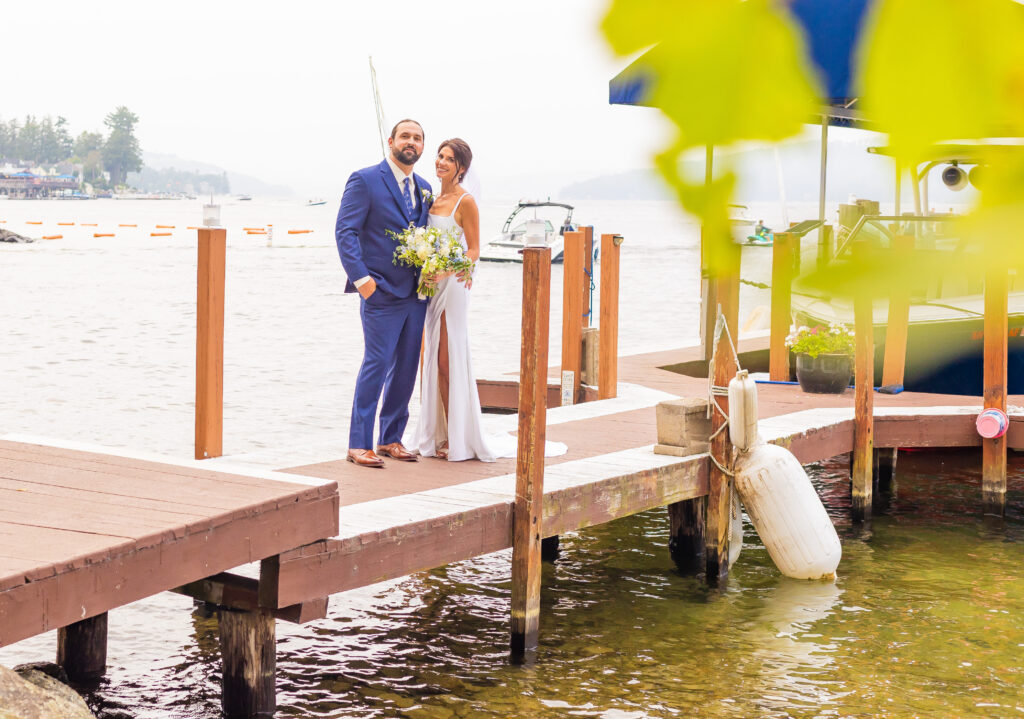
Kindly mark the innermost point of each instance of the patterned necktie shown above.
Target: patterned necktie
(408, 197)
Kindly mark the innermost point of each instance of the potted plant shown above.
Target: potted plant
(824, 357)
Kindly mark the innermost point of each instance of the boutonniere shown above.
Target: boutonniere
(428, 198)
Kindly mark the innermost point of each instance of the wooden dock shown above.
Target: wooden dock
(83, 532)
(415, 516)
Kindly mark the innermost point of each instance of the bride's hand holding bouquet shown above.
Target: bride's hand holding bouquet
(436, 252)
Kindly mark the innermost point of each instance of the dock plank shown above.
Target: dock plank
(82, 532)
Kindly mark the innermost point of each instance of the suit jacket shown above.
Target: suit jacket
(371, 205)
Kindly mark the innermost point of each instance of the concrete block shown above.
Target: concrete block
(683, 423)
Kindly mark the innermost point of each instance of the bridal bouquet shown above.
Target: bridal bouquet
(433, 250)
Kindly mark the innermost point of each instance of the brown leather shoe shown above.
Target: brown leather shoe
(364, 458)
(395, 450)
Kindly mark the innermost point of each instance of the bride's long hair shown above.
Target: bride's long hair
(463, 155)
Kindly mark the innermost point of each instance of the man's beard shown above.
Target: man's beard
(408, 156)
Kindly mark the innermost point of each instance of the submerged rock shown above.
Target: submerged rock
(30, 694)
(8, 236)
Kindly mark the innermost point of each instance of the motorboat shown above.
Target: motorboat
(507, 246)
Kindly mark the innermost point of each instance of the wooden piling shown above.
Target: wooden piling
(82, 649)
(719, 501)
(248, 654)
(573, 282)
(588, 280)
(899, 317)
(210, 343)
(863, 426)
(608, 356)
(993, 451)
(781, 305)
(527, 529)
(686, 534)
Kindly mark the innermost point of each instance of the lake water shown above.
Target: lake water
(924, 619)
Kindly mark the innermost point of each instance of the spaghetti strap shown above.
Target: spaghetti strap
(458, 202)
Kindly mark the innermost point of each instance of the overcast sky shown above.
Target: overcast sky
(281, 90)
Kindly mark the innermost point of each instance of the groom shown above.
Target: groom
(383, 197)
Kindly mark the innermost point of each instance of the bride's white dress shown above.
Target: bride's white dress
(464, 429)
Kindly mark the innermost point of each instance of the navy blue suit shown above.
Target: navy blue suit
(393, 315)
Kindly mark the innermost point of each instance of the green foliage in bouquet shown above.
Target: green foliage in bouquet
(433, 251)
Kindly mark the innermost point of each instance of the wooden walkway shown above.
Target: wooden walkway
(415, 516)
(84, 532)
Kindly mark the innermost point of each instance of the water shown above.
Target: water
(924, 619)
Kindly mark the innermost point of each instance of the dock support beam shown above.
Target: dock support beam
(527, 527)
(863, 422)
(608, 356)
(686, 534)
(573, 282)
(588, 272)
(894, 365)
(993, 451)
(210, 343)
(248, 652)
(82, 649)
(781, 304)
(727, 289)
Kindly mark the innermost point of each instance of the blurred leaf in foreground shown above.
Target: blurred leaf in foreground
(723, 71)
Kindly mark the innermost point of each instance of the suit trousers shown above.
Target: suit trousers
(392, 337)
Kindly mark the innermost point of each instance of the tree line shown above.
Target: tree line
(48, 142)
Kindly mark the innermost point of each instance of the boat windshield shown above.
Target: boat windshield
(520, 229)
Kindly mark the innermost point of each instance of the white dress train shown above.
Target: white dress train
(464, 429)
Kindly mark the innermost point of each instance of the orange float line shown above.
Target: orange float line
(159, 234)
(53, 237)
(127, 225)
(66, 224)
(255, 232)
(299, 232)
(165, 227)
(88, 224)
(191, 227)
(249, 229)
(32, 222)
(103, 234)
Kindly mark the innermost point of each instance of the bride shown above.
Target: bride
(451, 422)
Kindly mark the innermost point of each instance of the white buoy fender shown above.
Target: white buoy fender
(787, 512)
(742, 411)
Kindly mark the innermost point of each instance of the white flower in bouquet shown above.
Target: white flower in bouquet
(433, 250)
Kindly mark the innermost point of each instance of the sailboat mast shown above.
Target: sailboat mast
(378, 108)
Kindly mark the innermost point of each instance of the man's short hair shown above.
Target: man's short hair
(394, 130)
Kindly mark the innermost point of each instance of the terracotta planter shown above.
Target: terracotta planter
(824, 374)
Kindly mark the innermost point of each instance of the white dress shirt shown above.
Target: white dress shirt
(400, 176)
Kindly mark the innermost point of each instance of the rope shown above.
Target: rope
(714, 390)
(758, 285)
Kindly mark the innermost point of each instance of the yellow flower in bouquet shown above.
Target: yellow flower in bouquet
(433, 250)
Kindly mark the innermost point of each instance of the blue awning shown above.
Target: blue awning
(831, 30)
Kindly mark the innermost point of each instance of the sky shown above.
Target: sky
(281, 90)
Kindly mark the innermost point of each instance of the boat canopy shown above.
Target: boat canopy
(832, 30)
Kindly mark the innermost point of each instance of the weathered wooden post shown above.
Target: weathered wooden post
(82, 649)
(727, 289)
(210, 343)
(781, 305)
(895, 361)
(993, 451)
(249, 656)
(527, 528)
(573, 283)
(608, 356)
(588, 267)
(863, 423)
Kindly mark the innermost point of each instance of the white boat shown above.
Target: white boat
(507, 246)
